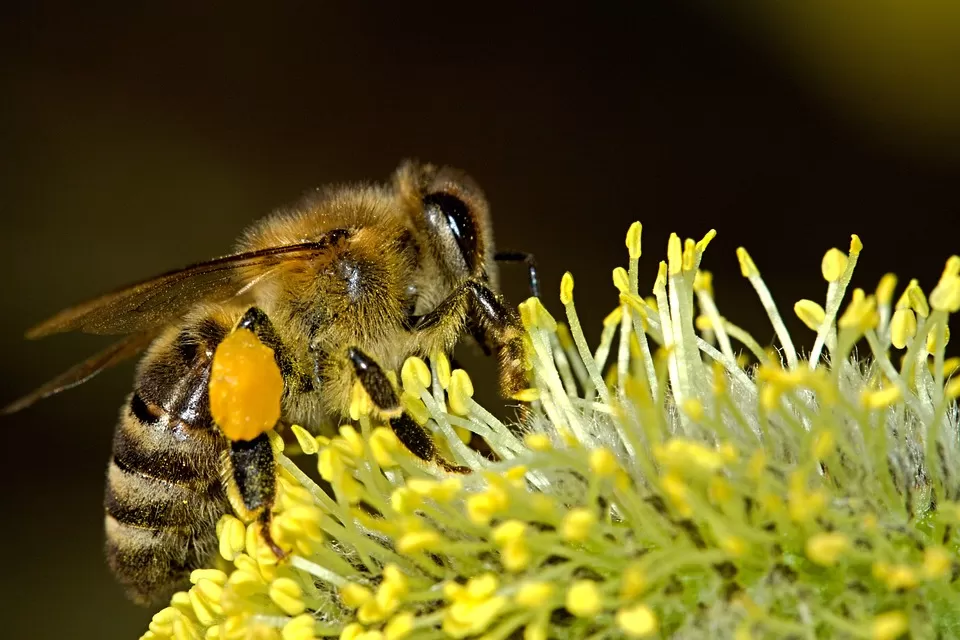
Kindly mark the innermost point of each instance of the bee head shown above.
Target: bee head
(452, 219)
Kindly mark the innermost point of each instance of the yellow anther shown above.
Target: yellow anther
(415, 541)
(633, 240)
(245, 386)
(918, 300)
(527, 395)
(693, 409)
(352, 441)
(483, 506)
(603, 462)
(661, 280)
(414, 406)
(900, 577)
(946, 295)
(299, 628)
(460, 392)
(577, 524)
(534, 594)
(352, 631)
(952, 388)
(952, 268)
(441, 365)
(705, 241)
(861, 314)
(689, 254)
(903, 326)
(932, 339)
(889, 626)
(360, 402)
(566, 288)
(833, 265)
(515, 555)
(472, 607)
(287, 595)
(620, 280)
(824, 443)
(703, 323)
(810, 313)
(308, 444)
(825, 549)
(886, 289)
(404, 500)
(538, 441)
(747, 266)
(719, 490)
(613, 318)
(383, 443)
(583, 599)
(734, 545)
(509, 531)
(634, 582)
(212, 575)
(703, 282)
(230, 534)
(637, 622)
(674, 254)
(683, 454)
(515, 474)
(937, 562)
(539, 316)
(880, 399)
(399, 627)
(677, 491)
(856, 246)
(415, 375)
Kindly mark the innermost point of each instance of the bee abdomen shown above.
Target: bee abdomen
(162, 502)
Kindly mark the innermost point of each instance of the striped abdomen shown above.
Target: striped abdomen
(164, 494)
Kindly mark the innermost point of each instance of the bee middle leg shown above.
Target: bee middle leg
(413, 436)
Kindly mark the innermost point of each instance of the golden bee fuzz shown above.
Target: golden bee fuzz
(245, 386)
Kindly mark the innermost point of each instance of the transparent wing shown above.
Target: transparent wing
(114, 354)
(160, 300)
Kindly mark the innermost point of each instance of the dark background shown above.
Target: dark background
(137, 142)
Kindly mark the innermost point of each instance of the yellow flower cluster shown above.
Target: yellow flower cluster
(661, 484)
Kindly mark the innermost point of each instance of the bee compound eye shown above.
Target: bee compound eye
(454, 213)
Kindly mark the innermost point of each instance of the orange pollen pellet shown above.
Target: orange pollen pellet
(245, 386)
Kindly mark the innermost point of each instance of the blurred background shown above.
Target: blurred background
(135, 142)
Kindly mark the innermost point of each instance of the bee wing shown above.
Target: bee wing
(160, 300)
(114, 354)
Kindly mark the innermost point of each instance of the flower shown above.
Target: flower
(662, 483)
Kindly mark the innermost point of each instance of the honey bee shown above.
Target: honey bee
(343, 287)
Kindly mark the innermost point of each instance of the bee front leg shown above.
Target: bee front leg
(528, 260)
(500, 328)
(250, 475)
(496, 327)
(413, 436)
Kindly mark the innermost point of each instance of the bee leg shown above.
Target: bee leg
(375, 382)
(528, 260)
(258, 322)
(500, 327)
(414, 437)
(250, 471)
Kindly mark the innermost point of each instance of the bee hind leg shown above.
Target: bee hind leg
(413, 436)
(250, 475)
